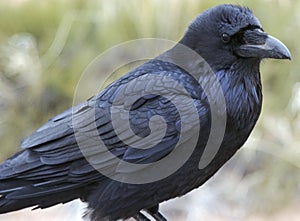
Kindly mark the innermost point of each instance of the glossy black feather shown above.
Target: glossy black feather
(52, 169)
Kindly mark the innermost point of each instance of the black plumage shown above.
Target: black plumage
(52, 169)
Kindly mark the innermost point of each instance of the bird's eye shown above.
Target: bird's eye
(225, 38)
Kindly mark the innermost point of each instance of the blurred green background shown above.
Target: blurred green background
(46, 45)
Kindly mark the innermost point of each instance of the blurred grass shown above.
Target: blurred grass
(46, 45)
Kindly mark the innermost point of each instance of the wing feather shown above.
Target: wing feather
(52, 161)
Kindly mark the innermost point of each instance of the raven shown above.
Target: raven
(65, 159)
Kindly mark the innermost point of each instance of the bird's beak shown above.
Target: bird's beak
(259, 44)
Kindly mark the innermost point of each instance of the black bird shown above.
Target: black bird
(65, 159)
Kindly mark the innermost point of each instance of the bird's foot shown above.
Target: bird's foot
(141, 217)
(159, 217)
(154, 212)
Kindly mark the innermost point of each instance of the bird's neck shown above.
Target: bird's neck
(242, 90)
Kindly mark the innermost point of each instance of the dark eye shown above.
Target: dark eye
(225, 38)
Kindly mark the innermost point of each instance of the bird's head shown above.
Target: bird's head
(227, 33)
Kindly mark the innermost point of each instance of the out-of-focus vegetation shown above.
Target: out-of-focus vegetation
(46, 45)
